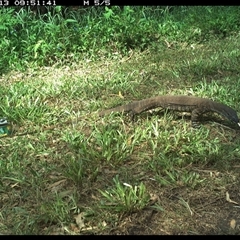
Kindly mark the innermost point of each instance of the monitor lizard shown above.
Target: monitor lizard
(196, 105)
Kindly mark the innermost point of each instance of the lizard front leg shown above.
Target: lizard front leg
(196, 113)
(132, 115)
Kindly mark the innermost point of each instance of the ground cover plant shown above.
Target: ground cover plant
(65, 170)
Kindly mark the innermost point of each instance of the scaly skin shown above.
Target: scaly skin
(196, 105)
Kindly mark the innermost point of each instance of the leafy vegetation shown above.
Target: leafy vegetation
(60, 36)
(65, 170)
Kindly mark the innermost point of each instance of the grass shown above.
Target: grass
(82, 174)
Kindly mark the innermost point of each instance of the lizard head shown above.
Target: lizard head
(231, 115)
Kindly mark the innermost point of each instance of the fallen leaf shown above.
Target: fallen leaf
(120, 95)
(80, 220)
(65, 193)
(104, 224)
(74, 228)
(53, 185)
(233, 223)
(229, 200)
(154, 198)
